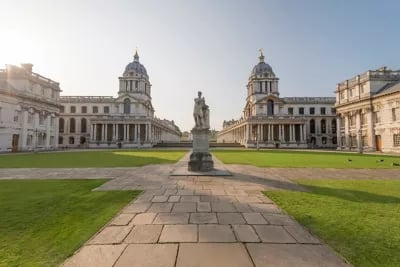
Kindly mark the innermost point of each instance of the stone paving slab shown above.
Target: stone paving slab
(213, 255)
(245, 233)
(273, 234)
(216, 233)
(179, 233)
(203, 218)
(111, 235)
(154, 255)
(95, 256)
(172, 218)
(287, 255)
(147, 233)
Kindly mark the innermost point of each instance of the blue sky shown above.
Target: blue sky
(207, 45)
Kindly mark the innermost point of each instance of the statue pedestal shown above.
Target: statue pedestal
(200, 159)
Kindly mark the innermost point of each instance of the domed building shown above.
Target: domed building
(125, 121)
(272, 121)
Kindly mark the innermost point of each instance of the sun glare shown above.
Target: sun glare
(17, 48)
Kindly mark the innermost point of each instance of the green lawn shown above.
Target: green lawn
(359, 218)
(42, 222)
(85, 159)
(299, 159)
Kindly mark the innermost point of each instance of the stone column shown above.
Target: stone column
(48, 127)
(262, 132)
(358, 128)
(117, 132)
(338, 135)
(106, 132)
(95, 132)
(301, 133)
(56, 133)
(135, 132)
(370, 129)
(113, 132)
(346, 130)
(139, 133)
(291, 132)
(128, 132)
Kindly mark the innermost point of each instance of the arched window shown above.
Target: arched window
(270, 108)
(61, 125)
(71, 140)
(83, 125)
(72, 125)
(127, 106)
(323, 126)
(334, 126)
(312, 126)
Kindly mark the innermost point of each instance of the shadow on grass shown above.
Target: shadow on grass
(351, 195)
(345, 194)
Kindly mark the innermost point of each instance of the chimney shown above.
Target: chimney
(27, 67)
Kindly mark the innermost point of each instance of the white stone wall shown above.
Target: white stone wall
(28, 110)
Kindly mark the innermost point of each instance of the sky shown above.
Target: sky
(206, 45)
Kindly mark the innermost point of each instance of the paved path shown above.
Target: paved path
(201, 220)
(206, 221)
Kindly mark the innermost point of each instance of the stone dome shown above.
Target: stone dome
(135, 67)
(262, 67)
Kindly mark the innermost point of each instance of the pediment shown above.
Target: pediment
(121, 99)
(265, 99)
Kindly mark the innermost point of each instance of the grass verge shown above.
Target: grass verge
(43, 222)
(300, 159)
(358, 218)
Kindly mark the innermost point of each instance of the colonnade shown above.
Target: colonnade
(265, 132)
(352, 131)
(126, 132)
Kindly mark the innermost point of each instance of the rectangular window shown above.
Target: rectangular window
(290, 111)
(396, 140)
(377, 117)
(323, 111)
(29, 139)
(106, 109)
(62, 109)
(312, 111)
(333, 111)
(136, 85)
(17, 115)
(342, 95)
(41, 118)
(95, 109)
(363, 118)
(72, 109)
(30, 117)
(394, 117)
(301, 111)
(84, 109)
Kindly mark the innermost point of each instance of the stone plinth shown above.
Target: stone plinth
(200, 158)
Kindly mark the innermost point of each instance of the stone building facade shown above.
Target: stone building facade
(125, 121)
(368, 110)
(29, 109)
(286, 122)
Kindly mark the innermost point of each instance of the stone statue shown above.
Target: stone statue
(200, 158)
(201, 113)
